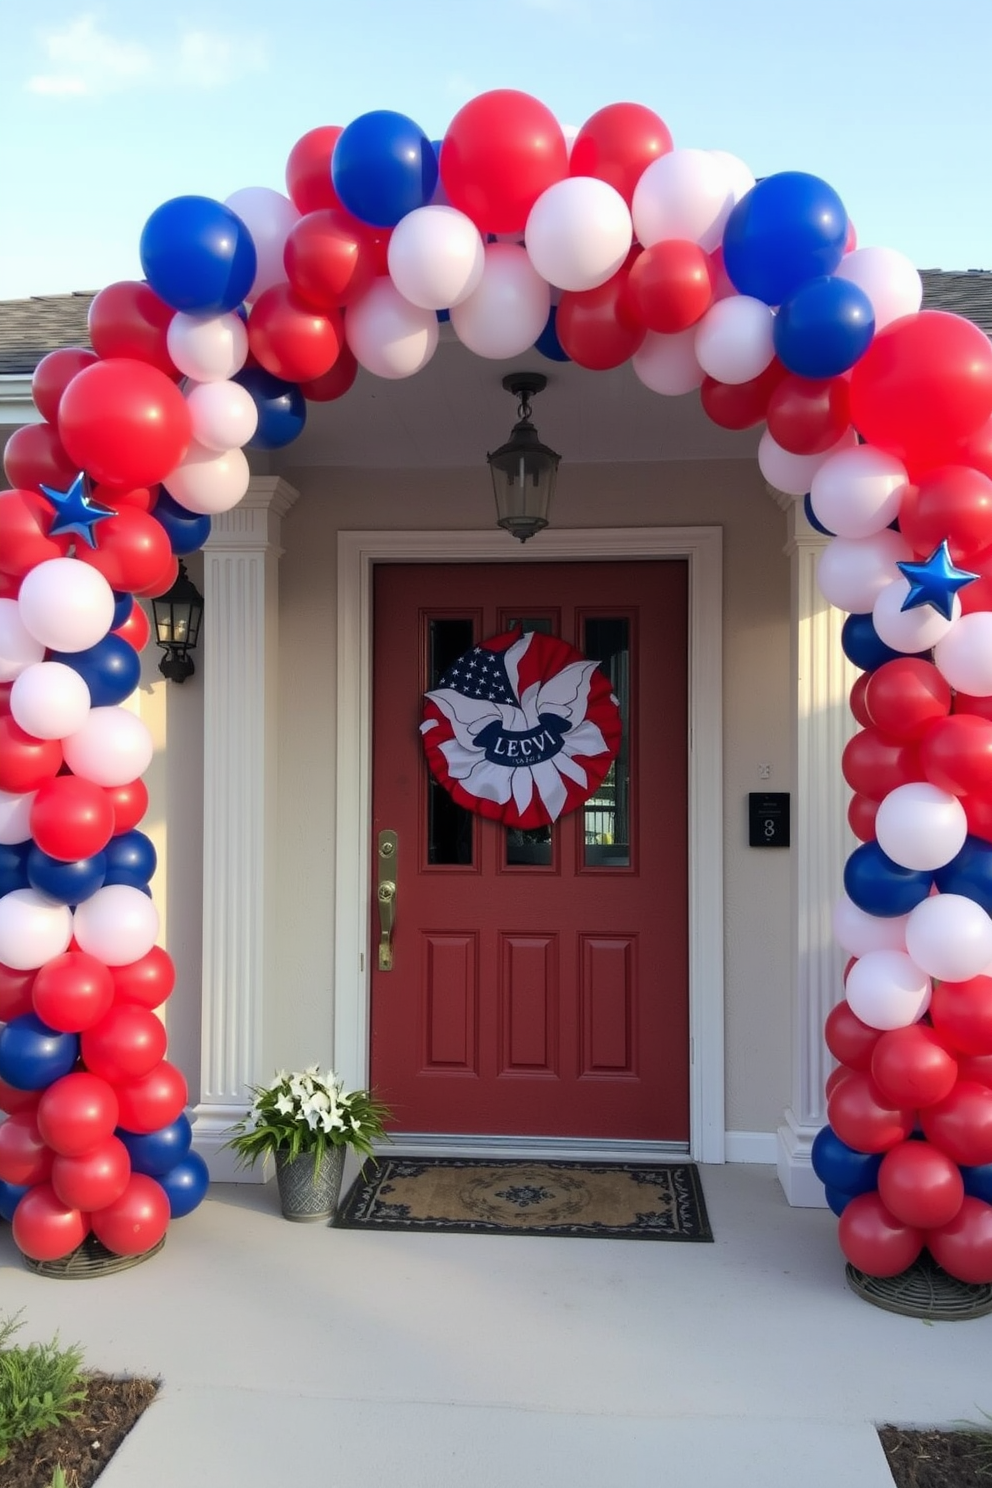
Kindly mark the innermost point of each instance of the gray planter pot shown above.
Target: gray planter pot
(304, 1197)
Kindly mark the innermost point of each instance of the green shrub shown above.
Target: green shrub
(40, 1385)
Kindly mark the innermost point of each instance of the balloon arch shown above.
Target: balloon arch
(600, 245)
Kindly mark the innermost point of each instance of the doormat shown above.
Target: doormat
(602, 1201)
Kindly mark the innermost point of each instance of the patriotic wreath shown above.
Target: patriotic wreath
(521, 729)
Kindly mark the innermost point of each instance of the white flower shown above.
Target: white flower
(284, 1104)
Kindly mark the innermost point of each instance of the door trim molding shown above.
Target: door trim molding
(702, 548)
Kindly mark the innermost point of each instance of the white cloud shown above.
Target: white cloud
(208, 59)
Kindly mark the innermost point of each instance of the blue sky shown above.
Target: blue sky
(109, 110)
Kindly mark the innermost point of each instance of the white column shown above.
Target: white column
(239, 649)
(822, 840)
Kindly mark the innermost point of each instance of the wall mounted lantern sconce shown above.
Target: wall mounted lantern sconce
(177, 614)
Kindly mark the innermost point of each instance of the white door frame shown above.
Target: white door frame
(702, 548)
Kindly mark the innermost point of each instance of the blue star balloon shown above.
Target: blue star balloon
(935, 582)
(75, 511)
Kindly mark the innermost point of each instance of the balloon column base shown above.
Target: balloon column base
(89, 1260)
(923, 1290)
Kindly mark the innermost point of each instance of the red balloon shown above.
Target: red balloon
(15, 992)
(52, 376)
(44, 1228)
(25, 520)
(132, 550)
(148, 981)
(806, 417)
(501, 151)
(127, 1042)
(864, 1118)
(34, 456)
(24, 1157)
(861, 814)
(874, 764)
(12, 1099)
(978, 594)
(670, 285)
(964, 1246)
(130, 802)
(72, 991)
(143, 497)
(128, 319)
(977, 1068)
(25, 762)
(850, 1041)
(163, 583)
(136, 630)
(617, 144)
(905, 695)
(857, 700)
(962, 1014)
(153, 1100)
(308, 170)
(976, 450)
(95, 1178)
(961, 1124)
(591, 330)
(741, 405)
(77, 1112)
(978, 813)
(125, 422)
(292, 340)
(834, 1079)
(330, 258)
(956, 754)
(71, 818)
(912, 1067)
(919, 1184)
(924, 385)
(952, 502)
(336, 382)
(10, 587)
(135, 1222)
(873, 1240)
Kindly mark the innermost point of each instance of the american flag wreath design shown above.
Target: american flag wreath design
(521, 729)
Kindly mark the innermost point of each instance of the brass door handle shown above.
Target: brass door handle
(386, 897)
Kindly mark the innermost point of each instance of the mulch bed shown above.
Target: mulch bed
(84, 1445)
(938, 1459)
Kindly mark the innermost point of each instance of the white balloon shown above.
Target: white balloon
(15, 817)
(858, 932)
(33, 929)
(578, 233)
(920, 826)
(223, 415)
(791, 473)
(889, 279)
(505, 315)
(436, 257)
(389, 336)
(738, 174)
(950, 937)
(18, 647)
(684, 194)
(113, 747)
(668, 364)
(270, 218)
(964, 656)
(734, 338)
(886, 989)
(916, 629)
(858, 491)
(853, 571)
(49, 700)
(118, 924)
(208, 348)
(208, 482)
(66, 605)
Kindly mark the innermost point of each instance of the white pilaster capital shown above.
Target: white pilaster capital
(255, 524)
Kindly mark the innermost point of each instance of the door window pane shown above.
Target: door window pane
(607, 812)
(450, 828)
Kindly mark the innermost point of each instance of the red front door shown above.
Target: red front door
(539, 981)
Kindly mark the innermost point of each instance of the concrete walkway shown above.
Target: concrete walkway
(298, 1354)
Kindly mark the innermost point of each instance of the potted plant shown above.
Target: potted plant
(307, 1121)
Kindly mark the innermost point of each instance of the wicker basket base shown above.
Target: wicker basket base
(88, 1260)
(924, 1290)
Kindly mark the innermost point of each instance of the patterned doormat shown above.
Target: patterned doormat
(605, 1201)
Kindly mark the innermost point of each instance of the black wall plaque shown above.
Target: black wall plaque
(768, 819)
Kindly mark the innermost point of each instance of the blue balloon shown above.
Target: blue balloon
(822, 329)
(880, 887)
(111, 669)
(813, 519)
(383, 167)
(198, 255)
(863, 645)
(789, 228)
(131, 859)
(978, 1182)
(970, 873)
(123, 605)
(841, 1167)
(69, 883)
(14, 867)
(187, 531)
(282, 408)
(11, 1195)
(32, 1055)
(186, 1184)
(156, 1152)
(547, 342)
